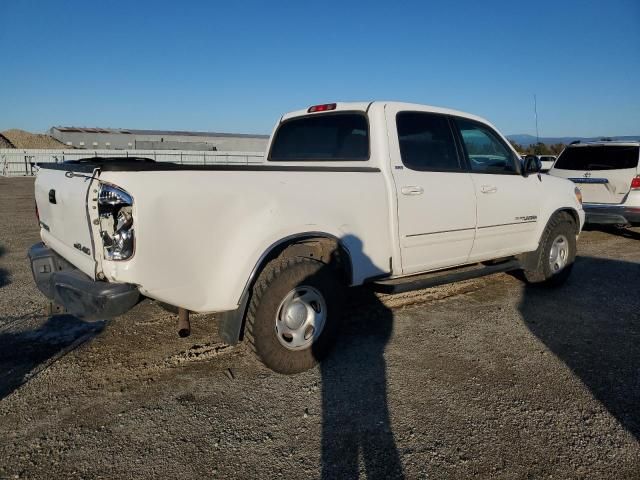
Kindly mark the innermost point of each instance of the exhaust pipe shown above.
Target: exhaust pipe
(184, 325)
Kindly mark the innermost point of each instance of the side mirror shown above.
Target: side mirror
(532, 164)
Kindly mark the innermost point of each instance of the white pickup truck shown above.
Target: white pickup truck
(391, 195)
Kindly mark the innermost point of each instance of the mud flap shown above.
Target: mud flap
(231, 323)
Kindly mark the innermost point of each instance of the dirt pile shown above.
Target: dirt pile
(24, 139)
(4, 143)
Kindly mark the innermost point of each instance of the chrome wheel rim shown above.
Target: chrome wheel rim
(300, 318)
(559, 254)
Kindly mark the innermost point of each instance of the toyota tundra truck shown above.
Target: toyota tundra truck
(385, 195)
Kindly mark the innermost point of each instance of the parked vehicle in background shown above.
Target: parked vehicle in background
(547, 162)
(392, 195)
(608, 175)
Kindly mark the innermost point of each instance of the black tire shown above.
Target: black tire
(539, 270)
(275, 282)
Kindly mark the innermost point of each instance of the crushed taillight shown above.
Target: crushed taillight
(115, 208)
(635, 183)
(322, 108)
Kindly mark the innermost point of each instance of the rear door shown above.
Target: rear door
(508, 203)
(62, 199)
(436, 198)
(602, 172)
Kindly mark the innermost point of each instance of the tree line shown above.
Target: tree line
(539, 148)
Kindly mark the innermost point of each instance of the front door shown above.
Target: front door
(508, 203)
(436, 196)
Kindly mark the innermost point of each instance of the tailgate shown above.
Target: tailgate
(62, 203)
(600, 186)
(602, 172)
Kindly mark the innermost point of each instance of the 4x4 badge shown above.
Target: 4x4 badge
(587, 174)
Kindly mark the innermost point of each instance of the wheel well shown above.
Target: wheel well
(529, 259)
(325, 249)
(573, 214)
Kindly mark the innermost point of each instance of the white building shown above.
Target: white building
(132, 139)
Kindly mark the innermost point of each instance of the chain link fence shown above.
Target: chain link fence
(21, 163)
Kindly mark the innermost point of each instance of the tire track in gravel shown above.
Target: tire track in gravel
(355, 308)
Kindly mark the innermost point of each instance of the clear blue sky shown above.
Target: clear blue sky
(236, 66)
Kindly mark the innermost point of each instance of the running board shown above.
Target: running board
(433, 279)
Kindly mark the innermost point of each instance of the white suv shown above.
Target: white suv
(608, 175)
(546, 162)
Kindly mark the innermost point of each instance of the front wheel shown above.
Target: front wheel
(294, 313)
(553, 261)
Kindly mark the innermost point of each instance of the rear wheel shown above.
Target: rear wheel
(551, 264)
(294, 313)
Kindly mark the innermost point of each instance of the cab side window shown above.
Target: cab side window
(426, 142)
(485, 150)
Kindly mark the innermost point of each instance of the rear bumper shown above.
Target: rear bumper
(81, 296)
(597, 213)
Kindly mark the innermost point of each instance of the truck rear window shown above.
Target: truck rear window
(337, 136)
(598, 157)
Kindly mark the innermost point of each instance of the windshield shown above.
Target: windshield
(337, 136)
(598, 157)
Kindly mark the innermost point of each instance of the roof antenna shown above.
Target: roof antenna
(535, 113)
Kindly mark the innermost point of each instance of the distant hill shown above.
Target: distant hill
(526, 140)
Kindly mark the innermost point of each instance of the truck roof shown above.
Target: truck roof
(365, 106)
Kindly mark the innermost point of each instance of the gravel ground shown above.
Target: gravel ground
(486, 378)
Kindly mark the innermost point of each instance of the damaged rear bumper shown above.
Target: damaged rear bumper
(81, 296)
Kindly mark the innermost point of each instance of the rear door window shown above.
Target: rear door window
(337, 136)
(598, 157)
(426, 142)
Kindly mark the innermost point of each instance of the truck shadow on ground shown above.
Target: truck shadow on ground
(355, 415)
(356, 426)
(4, 278)
(25, 353)
(593, 325)
(4, 273)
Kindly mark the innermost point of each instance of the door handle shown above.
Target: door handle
(488, 189)
(412, 190)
